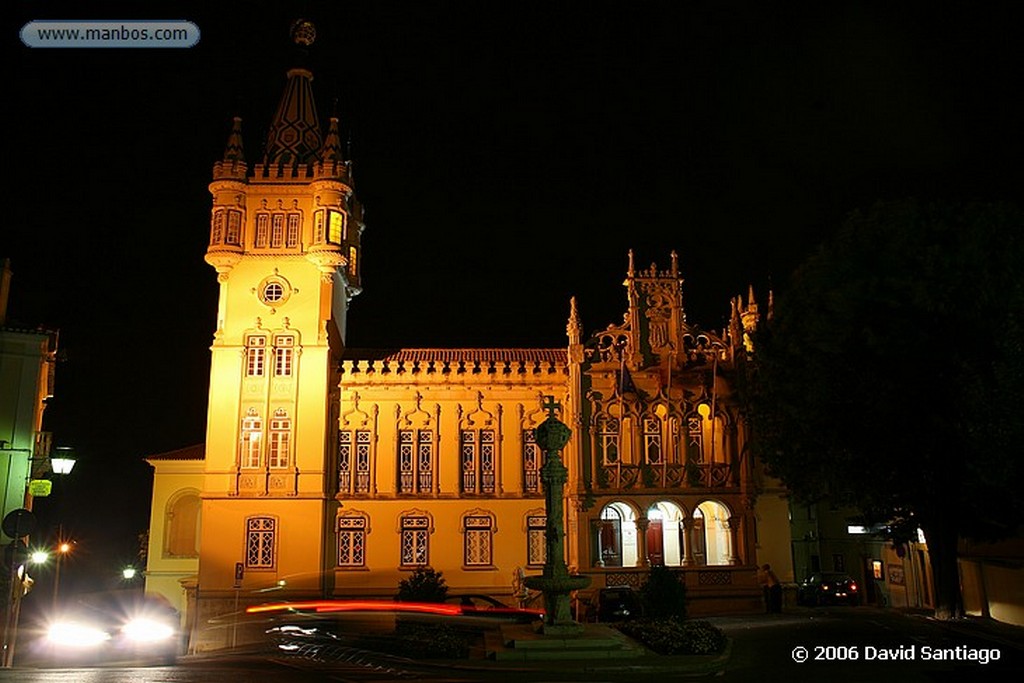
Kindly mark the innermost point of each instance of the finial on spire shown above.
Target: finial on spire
(303, 32)
(630, 270)
(234, 151)
(675, 263)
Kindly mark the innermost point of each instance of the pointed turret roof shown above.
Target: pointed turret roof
(294, 138)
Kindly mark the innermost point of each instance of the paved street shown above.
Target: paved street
(841, 644)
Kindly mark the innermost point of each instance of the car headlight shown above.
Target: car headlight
(146, 630)
(74, 634)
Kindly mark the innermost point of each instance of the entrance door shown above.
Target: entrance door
(655, 542)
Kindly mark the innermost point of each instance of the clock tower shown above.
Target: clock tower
(285, 244)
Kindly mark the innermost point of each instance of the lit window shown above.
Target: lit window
(255, 355)
(352, 541)
(335, 227)
(536, 548)
(415, 541)
(252, 434)
(477, 461)
(352, 265)
(280, 439)
(260, 540)
(415, 461)
(262, 230)
(479, 536)
(531, 462)
(284, 353)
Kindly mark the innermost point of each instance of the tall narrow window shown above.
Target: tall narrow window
(252, 434)
(415, 461)
(652, 440)
(277, 231)
(318, 227)
(352, 264)
(352, 541)
(354, 461)
(530, 463)
(234, 233)
(694, 438)
(262, 230)
(280, 439)
(608, 439)
(479, 536)
(477, 460)
(284, 355)
(217, 229)
(335, 227)
(291, 236)
(415, 551)
(260, 542)
(536, 549)
(255, 355)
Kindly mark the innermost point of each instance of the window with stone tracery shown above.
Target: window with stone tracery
(478, 456)
(608, 439)
(478, 532)
(531, 462)
(415, 541)
(217, 229)
(234, 232)
(352, 541)
(354, 461)
(260, 542)
(415, 460)
(652, 441)
(536, 547)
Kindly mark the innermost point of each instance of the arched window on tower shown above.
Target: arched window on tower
(335, 227)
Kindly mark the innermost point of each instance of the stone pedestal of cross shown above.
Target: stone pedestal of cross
(555, 583)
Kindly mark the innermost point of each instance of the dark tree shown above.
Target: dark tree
(423, 585)
(891, 376)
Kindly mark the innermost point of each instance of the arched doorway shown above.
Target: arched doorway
(616, 539)
(664, 534)
(711, 541)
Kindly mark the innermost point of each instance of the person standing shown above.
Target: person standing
(772, 589)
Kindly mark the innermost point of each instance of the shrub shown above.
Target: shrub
(430, 641)
(663, 594)
(674, 636)
(424, 585)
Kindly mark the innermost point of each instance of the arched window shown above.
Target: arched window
(616, 542)
(182, 528)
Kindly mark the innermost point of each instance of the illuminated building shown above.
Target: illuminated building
(335, 471)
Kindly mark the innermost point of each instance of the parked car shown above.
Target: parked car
(619, 603)
(478, 605)
(828, 588)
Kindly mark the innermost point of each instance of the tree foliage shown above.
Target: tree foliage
(423, 585)
(891, 375)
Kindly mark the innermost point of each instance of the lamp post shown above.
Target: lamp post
(63, 548)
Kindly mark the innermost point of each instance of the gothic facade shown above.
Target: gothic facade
(336, 471)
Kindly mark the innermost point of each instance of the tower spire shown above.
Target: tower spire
(294, 139)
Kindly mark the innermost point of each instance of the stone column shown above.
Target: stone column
(733, 525)
(687, 526)
(641, 542)
(556, 583)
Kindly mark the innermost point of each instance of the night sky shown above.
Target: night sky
(508, 155)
